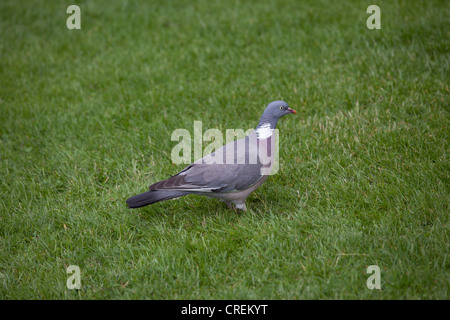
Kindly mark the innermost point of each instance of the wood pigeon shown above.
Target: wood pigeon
(231, 173)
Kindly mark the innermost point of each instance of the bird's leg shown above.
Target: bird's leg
(241, 206)
(228, 203)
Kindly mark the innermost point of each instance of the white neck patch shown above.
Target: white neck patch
(264, 131)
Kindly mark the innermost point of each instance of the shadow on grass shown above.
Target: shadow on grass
(193, 209)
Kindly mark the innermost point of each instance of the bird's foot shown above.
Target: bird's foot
(238, 206)
(241, 206)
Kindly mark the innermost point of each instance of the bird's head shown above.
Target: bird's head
(274, 111)
(277, 109)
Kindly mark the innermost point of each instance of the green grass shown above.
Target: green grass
(86, 119)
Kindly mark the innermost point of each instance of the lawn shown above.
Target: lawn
(86, 122)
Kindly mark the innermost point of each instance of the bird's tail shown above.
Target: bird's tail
(153, 196)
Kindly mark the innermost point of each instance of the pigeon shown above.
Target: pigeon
(231, 173)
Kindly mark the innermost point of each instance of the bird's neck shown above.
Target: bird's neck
(265, 127)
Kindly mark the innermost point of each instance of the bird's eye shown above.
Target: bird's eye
(281, 107)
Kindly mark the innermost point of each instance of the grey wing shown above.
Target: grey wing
(212, 178)
(206, 176)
